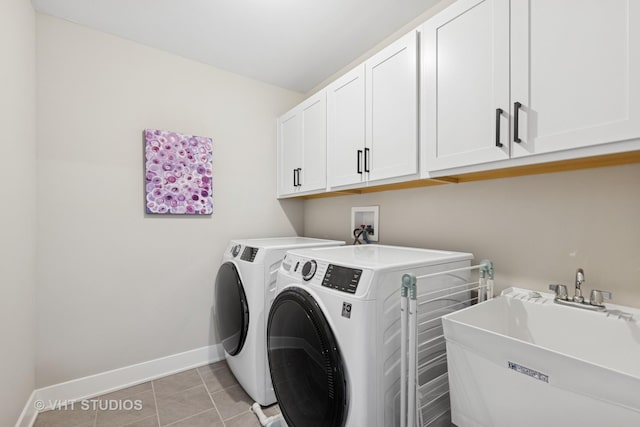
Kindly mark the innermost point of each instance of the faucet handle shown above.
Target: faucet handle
(597, 297)
(560, 290)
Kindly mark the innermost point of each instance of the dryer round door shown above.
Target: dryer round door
(306, 367)
(231, 309)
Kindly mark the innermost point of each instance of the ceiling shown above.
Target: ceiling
(294, 44)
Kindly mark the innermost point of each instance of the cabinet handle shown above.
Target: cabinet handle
(294, 178)
(299, 170)
(366, 160)
(360, 162)
(516, 122)
(498, 116)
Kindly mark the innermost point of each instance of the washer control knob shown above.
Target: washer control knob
(235, 250)
(309, 270)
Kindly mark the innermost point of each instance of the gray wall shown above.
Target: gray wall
(18, 213)
(117, 287)
(536, 229)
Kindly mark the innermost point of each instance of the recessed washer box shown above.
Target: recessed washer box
(366, 215)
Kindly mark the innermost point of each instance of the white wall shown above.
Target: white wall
(117, 287)
(536, 229)
(18, 213)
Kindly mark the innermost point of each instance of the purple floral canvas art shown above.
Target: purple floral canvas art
(178, 171)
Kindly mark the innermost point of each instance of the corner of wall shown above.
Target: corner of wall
(18, 219)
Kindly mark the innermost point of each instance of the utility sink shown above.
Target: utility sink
(523, 360)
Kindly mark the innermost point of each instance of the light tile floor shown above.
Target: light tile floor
(208, 396)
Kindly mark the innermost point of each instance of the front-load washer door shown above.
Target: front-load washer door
(231, 309)
(306, 367)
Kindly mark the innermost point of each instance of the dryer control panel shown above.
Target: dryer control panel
(344, 279)
(306, 271)
(249, 254)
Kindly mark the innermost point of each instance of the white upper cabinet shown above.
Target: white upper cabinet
(465, 84)
(575, 69)
(313, 174)
(512, 78)
(302, 143)
(392, 109)
(289, 152)
(346, 129)
(372, 118)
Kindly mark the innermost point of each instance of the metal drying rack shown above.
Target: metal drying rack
(424, 395)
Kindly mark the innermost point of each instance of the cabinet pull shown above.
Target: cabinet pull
(294, 178)
(366, 160)
(498, 116)
(516, 122)
(360, 162)
(299, 170)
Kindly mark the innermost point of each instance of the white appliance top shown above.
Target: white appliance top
(286, 242)
(378, 257)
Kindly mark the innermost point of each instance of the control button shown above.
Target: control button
(309, 270)
(235, 250)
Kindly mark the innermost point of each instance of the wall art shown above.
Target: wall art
(178, 172)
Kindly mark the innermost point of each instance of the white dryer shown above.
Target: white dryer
(244, 289)
(333, 337)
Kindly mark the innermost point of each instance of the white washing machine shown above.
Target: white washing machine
(333, 338)
(245, 287)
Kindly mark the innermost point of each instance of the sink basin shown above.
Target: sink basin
(522, 360)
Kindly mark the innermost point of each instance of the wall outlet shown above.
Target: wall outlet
(366, 215)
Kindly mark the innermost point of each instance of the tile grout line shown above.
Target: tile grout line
(186, 418)
(211, 398)
(242, 414)
(128, 397)
(185, 390)
(155, 401)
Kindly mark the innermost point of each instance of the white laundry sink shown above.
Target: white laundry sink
(523, 360)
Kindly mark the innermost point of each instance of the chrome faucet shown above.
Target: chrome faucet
(595, 302)
(579, 281)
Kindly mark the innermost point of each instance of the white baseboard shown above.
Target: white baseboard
(29, 413)
(105, 382)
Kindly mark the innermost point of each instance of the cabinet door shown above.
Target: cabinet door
(391, 114)
(465, 80)
(313, 116)
(289, 151)
(576, 72)
(346, 128)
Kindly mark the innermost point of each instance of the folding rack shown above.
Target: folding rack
(424, 395)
